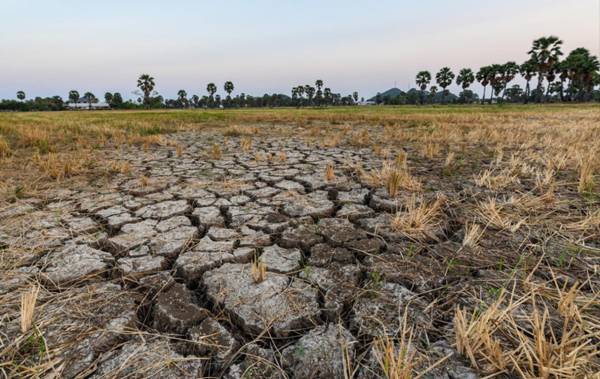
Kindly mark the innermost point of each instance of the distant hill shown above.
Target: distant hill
(390, 93)
(413, 92)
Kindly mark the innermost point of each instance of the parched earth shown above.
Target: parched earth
(151, 275)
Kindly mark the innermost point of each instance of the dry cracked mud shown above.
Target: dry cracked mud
(152, 276)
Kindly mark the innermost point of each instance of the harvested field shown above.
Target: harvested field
(413, 242)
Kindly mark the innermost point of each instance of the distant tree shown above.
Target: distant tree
(217, 101)
(514, 93)
(483, 77)
(545, 54)
(73, 96)
(228, 87)
(319, 91)
(300, 90)
(355, 96)
(527, 71)
(582, 70)
(195, 100)
(146, 84)
(108, 98)
(423, 79)
(89, 98)
(117, 100)
(327, 97)
(211, 88)
(310, 93)
(182, 98)
(432, 92)
(465, 78)
(508, 71)
(495, 78)
(444, 78)
(21, 95)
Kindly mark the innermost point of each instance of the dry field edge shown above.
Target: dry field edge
(358, 242)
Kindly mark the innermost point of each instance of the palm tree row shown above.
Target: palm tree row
(577, 75)
(319, 96)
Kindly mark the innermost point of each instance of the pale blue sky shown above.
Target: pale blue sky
(50, 47)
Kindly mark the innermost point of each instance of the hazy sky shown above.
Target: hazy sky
(50, 47)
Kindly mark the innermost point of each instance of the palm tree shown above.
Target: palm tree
(483, 77)
(146, 84)
(508, 71)
(319, 93)
(495, 78)
(310, 92)
(355, 96)
(432, 92)
(108, 98)
(300, 90)
(211, 88)
(545, 54)
(527, 71)
(73, 96)
(21, 95)
(327, 95)
(465, 78)
(182, 97)
(228, 87)
(423, 79)
(90, 98)
(583, 70)
(195, 100)
(444, 78)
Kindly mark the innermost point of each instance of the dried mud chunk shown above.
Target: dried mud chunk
(210, 338)
(153, 358)
(380, 311)
(320, 354)
(303, 237)
(324, 254)
(75, 263)
(315, 204)
(175, 311)
(273, 303)
(281, 260)
(164, 209)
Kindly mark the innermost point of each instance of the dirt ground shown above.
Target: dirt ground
(456, 242)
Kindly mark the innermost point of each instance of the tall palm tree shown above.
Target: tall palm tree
(327, 95)
(182, 97)
(300, 90)
(21, 95)
(319, 93)
(310, 93)
(444, 78)
(423, 79)
(495, 79)
(527, 71)
(355, 96)
(73, 96)
(483, 77)
(146, 84)
(211, 88)
(545, 54)
(465, 78)
(583, 70)
(228, 87)
(508, 71)
(108, 97)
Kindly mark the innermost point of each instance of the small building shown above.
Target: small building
(86, 106)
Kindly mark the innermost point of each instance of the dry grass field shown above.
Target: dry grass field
(362, 242)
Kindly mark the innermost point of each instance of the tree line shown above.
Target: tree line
(570, 79)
